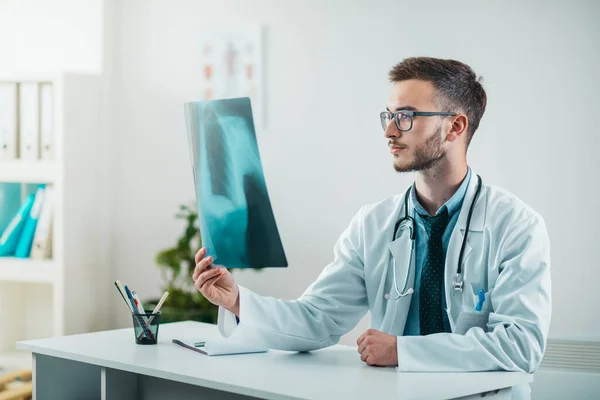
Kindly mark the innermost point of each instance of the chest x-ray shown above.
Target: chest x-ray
(236, 220)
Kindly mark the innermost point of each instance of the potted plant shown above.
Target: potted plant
(177, 265)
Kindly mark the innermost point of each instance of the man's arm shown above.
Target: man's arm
(518, 326)
(328, 309)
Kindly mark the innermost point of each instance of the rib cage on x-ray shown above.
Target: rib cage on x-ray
(236, 220)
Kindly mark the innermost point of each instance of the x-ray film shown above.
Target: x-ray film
(236, 220)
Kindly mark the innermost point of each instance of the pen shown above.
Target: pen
(140, 307)
(481, 294)
(158, 306)
(137, 305)
(149, 334)
(122, 293)
(138, 302)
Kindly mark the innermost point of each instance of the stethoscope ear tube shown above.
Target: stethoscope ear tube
(458, 281)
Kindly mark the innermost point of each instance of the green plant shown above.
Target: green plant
(177, 265)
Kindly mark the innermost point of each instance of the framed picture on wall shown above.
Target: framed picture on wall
(232, 66)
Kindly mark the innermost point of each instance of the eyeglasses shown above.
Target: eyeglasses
(404, 118)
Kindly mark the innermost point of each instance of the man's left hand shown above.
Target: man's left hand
(378, 348)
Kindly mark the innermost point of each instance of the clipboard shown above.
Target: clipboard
(219, 347)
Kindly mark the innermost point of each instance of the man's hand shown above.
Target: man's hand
(378, 348)
(216, 283)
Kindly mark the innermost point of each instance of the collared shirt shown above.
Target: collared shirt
(453, 205)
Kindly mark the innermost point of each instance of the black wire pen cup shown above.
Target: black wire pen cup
(145, 327)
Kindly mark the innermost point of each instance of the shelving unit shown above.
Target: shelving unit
(28, 172)
(25, 270)
(60, 296)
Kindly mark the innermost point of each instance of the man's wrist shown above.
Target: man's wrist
(235, 309)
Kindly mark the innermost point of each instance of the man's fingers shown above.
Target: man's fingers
(199, 255)
(206, 275)
(201, 266)
(362, 347)
(210, 281)
(363, 357)
(360, 339)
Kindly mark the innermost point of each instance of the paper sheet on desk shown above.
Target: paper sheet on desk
(220, 347)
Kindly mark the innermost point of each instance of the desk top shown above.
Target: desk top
(334, 372)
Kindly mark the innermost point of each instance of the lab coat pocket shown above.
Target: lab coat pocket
(469, 316)
(471, 298)
(470, 319)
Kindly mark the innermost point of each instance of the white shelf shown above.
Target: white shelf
(16, 359)
(28, 171)
(27, 270)
(75, 174)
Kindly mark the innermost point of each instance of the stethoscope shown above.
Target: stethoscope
(458, 281)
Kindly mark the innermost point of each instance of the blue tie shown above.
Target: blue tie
(431, 318)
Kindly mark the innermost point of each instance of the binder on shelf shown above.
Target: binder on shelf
(9, 145)
(10, 236)
(42, 240)
(46, 121)
(10, 201)
(25, 241)
(29, 121)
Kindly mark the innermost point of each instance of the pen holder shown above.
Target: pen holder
(145, 327)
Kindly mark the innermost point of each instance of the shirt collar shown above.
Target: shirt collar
(453, 204)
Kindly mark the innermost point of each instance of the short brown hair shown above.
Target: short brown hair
(457, 87)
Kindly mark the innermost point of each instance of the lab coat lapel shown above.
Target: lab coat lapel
(474, 238)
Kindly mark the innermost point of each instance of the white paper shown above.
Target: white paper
(470, 319)
(220, 346)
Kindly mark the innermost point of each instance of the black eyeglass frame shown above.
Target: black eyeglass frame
(412, 114)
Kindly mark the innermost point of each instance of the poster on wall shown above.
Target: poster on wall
(232, 66)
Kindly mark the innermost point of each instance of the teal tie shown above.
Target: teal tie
(431, 318)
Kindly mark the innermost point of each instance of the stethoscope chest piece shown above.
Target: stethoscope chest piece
(458, 283)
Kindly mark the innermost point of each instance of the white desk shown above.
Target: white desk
(109, 365)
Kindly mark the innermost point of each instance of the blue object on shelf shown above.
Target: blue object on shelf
(23, 249)
(10, 201)
(10, 236)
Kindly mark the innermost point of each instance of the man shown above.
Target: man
(467, 284)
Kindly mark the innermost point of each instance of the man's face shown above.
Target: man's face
(421, 147)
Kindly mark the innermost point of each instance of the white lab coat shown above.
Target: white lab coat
(507, 254)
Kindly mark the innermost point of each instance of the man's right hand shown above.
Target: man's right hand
(216, 283)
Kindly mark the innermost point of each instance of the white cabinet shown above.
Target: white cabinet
(58, 296)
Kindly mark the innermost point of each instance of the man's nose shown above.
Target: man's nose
(392, 131)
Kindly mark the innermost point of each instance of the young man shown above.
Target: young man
(461, 285)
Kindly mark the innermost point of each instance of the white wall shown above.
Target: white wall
(324, 153)
(49, 35)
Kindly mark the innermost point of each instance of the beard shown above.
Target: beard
(427, 155)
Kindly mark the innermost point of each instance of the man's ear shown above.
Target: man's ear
(457, 127)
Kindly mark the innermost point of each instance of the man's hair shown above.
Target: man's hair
(457, 87)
